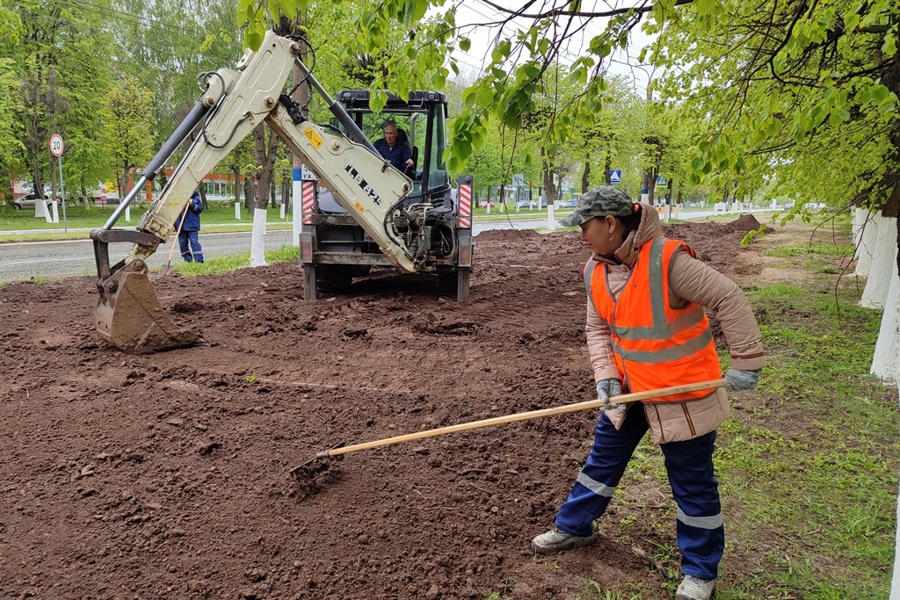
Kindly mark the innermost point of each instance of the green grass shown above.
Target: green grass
(219, 266)
(811, 248)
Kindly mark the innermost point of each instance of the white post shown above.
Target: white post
(884, 264)
(128, 214)
(237, 211)
(296, 206)
(551, 221)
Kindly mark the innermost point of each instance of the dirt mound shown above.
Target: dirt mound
(168, 475)
(717, 243)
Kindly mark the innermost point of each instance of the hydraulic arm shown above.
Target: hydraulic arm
(233, 104)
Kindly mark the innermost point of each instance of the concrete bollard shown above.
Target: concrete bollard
(237, 211)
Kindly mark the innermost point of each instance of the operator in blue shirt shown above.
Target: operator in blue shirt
(391, 149)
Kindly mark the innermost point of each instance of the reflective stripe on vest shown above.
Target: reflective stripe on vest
(654, 344)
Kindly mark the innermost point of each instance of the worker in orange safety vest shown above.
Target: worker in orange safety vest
(646, 329)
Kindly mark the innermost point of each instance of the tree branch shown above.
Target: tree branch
(557, 12)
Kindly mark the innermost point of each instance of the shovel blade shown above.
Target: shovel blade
(130, 317)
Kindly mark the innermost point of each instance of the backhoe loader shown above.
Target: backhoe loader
(383, 216)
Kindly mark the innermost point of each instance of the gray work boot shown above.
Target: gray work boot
(694, 588)
(557, 541)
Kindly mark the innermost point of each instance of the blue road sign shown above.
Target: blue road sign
(615, 175)
(661, 181)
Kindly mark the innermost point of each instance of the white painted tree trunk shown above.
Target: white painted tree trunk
(886, 362)
(866, 243)
(859, 221)
(886, 365)
(258, 239)
(884, 263)
(895, 582)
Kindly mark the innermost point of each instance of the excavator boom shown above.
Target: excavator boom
(235, 102)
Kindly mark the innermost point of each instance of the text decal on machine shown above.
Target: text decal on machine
(365, 187)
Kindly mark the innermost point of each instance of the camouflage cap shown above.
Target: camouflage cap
(599, 202)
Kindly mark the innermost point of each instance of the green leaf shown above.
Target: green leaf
(886, 107)
(501, 51)
(889, 47)
(879, 93)
(377, 99)
(465, 44)
(254, 39)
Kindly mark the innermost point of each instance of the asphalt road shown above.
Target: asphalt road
(37, 260)
(26, 260)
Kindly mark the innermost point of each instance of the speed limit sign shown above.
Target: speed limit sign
(56, 145)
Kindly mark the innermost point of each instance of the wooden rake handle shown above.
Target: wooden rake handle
(534, 414)
(177, 233)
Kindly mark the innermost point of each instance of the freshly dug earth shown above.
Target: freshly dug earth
(167, 476)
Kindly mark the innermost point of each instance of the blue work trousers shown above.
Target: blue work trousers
(699, 530)
(189, 242)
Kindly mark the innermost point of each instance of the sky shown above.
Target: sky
(477, 11)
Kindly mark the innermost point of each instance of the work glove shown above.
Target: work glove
(606, 389)
(736, 379)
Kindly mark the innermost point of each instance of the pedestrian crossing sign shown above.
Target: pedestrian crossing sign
(615, 175)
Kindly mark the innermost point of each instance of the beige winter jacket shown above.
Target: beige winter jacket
(691, 280)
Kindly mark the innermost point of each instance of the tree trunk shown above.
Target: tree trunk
(886, 360)
(248, 193)
(265, 162)
(608, 165)
(650, 180)
(586, 176)
(301, 97)
(547, 179)
(883, 262)
(549, 187)
(237, 185)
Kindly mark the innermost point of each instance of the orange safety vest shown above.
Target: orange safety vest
(655, 345)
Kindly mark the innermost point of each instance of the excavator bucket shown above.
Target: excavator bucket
(129, 315)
